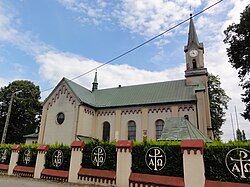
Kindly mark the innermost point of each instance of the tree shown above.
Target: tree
(244, 136)
(238, 38)
(241, 136)
(218, 103)
(238, 135)
(25, 112)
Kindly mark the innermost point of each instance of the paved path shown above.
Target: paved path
(12, 181)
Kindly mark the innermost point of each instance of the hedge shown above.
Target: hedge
(32, 162)
(174, 161)
(110, 149)
(4, 147)
(215, 165)
(66, 157)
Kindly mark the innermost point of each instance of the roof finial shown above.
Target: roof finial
(190, 9)
(95, 83)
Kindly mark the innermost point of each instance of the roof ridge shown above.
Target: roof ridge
(144, 84)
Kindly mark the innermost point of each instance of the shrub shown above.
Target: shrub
(215, 165)
(174, 161)
(5, 159)
(66, 157)
(110, 149)
(33, 151)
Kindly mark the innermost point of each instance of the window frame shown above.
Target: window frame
(106, 131)
(158, 131)
(131, 130)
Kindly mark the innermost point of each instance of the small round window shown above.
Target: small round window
(60, 118)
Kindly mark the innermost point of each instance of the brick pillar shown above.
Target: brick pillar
(40, 160)
(194, 171)
(14, 157)
(75, 160)
(124, 162)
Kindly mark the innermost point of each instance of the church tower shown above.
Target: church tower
(196, 75)
(195, 72)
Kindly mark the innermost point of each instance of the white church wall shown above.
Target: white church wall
(85, 123)
(154, 114)
(127, 115)
(105, 116)
(62, 101)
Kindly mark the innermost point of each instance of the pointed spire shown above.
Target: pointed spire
(95, 83)
(192, 35)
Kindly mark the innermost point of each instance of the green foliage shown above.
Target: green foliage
(66, 157)
(240, 135)
(218, 103)
(5, 159)
(110, 149)
(32, 162)
(214, 159)
(25, 111)
(238, 38)
(174, 163)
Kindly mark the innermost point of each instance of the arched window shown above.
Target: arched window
(159, 124)
(131, 130)
(186, 117)
(106, 131)
(194, 64)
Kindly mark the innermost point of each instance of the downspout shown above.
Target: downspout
(77, 119)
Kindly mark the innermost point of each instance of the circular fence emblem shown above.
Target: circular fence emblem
(98, 156)
(57, 158)
(3, 155)
(238, 162)
(27, 155)
(155, 158)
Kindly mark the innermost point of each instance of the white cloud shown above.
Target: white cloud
(89, 11)
(54, 66)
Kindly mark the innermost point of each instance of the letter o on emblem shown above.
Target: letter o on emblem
(155, 158)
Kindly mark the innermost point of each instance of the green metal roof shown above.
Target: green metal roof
(179, 128)
(143, 94)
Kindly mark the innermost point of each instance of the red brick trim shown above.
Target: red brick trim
(124, 144)
(24, 171)
(4, 168)
(77, 145)
(16, 147)
(210, 183)
(52, 174)
(104, 176)
(42, 148)
(194, 145)
(155, 180)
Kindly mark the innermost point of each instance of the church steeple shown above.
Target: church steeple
(192, 36)
(193, 40)
(95, 83)
(194, 56)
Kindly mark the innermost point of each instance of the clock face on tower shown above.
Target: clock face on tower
(193, 53)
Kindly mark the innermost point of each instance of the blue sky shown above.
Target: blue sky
(44, 41)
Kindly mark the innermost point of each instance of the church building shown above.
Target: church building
(137, 112)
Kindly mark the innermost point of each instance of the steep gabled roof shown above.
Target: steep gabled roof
(83, 94)
(192, 36)
(143, 94)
